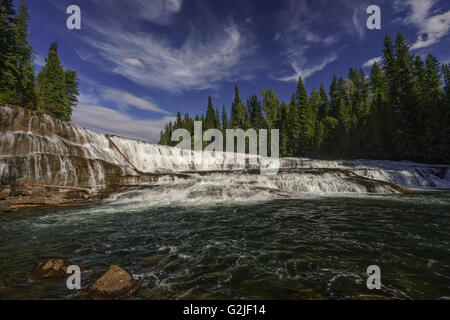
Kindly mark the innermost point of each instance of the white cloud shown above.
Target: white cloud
(203, 56)
(133, 62)
(432, 25)
(371, 62)
(356, 19)
(127, 99)
(105, 120)
(307, 72)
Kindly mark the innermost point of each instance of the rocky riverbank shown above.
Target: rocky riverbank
(23, 197)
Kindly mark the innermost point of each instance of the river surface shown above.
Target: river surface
(311, 247)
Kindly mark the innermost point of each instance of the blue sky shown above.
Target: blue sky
(141, 61)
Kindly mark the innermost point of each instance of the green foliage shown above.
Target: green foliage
(57, 89)
(401, 111)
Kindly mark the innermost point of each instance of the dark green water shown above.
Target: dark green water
(317, 247)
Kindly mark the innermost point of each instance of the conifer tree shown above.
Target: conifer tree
(52, 87)
(306, 118)
(8, 65)
(225, 121)
(210, 122)
(25, 91)
(238, 112)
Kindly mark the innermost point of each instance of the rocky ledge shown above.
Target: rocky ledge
(18, 197)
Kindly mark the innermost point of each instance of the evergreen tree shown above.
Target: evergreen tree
(210, 122)
(324, 106)
(225, 121)
(238, 112)
(72, 91)
(306, 119)
(294, 127)
(25, 91)
(334, 95)
(52, 87)
(271, 107)
(8, 59)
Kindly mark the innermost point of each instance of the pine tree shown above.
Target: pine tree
(210, 122)
(25, 91)
(238, 112)
(306, 119)
(334, 96)
(72, 92)
(8, 65)
(225, 121)
(271, 107)
(405, 141)
(324, 106)
(379, 118)
(294, 127)
(52, 87)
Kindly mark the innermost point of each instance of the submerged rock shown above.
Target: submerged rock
(52, 268)
(5, 207)
(116, 283)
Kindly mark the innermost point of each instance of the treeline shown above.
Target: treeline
(401, 111)
(53, 91)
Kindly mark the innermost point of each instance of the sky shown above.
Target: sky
(141, 61)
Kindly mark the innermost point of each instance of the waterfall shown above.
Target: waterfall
(37, 148)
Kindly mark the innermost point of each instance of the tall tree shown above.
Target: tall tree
(25, 91)
(210, 122)
(271, 107)
(225, 121)
(8, 65)
(238, 112)
(306, 118)
(52, 87)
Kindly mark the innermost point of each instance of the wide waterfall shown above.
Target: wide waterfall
(36, 148)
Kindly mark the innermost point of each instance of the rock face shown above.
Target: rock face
(52, 268)
(116, 283)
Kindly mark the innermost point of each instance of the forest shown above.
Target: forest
(400, 111)
(53, 91)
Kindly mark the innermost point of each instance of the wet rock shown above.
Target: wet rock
(5, 207)
(5, 193)
(159, 293)
(153, 260)
(116, 283)
(52, 268)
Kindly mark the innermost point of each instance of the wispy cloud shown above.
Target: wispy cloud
(299, 35)
(123, 98)
(372, 61)
(307, 72)
(203, 55)
(106, 120)
(431, 22)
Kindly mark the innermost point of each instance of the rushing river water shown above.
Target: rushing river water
(306, 248)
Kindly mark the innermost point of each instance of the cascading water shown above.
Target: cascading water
(37, 148)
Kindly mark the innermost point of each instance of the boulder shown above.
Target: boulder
(52, 268)
(116, 283)
(5, 193)
(5, 207)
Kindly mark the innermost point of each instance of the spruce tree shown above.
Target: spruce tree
(52, 87)
(271, 107)
(25, 91)
(306, 119)
(8, 59)
(225, 121)
(210, 122)
(238, 112)
(324, 106)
